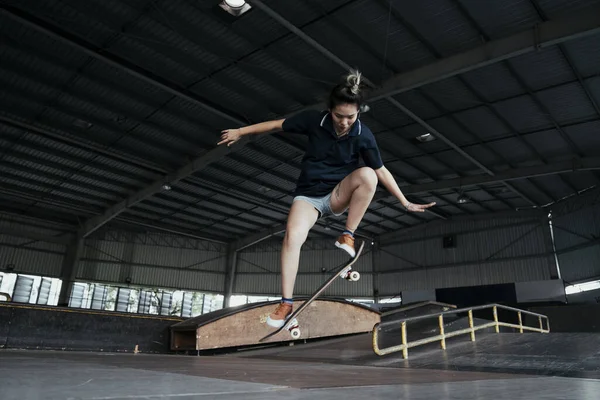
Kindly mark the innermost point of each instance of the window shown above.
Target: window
(390, 300)
(582, 287)
(144, 300)
(240, 299)
(30, 288)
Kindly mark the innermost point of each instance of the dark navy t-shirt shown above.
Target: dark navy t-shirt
(329, 159)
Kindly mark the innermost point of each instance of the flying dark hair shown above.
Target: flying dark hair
(348, 91)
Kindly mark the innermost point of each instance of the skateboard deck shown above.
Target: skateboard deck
(344, 271)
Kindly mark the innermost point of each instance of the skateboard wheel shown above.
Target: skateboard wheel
(354, 276)
(295, 333)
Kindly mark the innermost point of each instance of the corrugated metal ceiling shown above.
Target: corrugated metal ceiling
(101, 133)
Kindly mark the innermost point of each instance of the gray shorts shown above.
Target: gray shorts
(321, 204)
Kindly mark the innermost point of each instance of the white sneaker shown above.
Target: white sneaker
(346, 242)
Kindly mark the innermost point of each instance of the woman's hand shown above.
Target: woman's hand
(230, 136)
(418, 207)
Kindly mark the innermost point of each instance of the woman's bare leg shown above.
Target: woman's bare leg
(301, 219)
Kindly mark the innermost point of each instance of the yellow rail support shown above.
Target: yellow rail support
(405, 348)
(496, 324)
(471, 325)
(520, 323)
(496, 319)
(441, 323)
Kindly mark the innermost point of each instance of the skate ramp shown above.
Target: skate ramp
(246, 325)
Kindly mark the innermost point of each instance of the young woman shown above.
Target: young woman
(331, 180)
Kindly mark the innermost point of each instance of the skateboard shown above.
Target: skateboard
(344, 272)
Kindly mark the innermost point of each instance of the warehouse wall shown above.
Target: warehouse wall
(36, 247)
(486, 250)
(154, 260)
(512, 247)
(259, 270)
(576, 227)
(23, 250)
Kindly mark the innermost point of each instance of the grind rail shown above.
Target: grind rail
(443, 335)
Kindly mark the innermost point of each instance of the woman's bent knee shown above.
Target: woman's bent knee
(368, 176)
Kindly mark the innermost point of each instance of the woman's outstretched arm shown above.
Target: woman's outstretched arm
(230, 136)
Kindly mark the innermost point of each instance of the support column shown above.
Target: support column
(551, 246)
(232, 255)
(374, 268)
(69, 270)
(128, 252)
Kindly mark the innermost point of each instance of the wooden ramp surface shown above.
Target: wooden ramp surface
(245, 325)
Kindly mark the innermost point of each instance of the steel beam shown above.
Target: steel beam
(573, 26)
(578, 164)
(31, 195)
(408, 235)
(64, 239)
(542, 254)
(197, 164)
(258, 237)
(165, 228)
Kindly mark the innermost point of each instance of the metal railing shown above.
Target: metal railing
(443, 335)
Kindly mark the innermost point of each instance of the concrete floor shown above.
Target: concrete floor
(334, 369)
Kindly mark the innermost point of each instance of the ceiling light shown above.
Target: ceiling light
(462, 199)
(82, 124)
(166, 186)
(428, 137)
(235, 7)
(235, 3)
